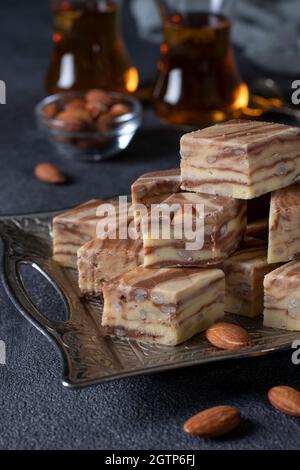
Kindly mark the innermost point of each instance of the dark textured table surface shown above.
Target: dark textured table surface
(136, 413)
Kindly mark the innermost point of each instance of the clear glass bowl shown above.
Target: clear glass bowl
(95, 144)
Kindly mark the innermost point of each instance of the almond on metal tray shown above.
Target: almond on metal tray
(228, 336)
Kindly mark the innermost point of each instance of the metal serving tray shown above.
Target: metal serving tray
(89, 357)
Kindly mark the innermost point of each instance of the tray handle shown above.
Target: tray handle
(19, 295)
(85, 353)
(15, 254)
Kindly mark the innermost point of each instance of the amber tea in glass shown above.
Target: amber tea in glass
(89, 51)
(197, 83)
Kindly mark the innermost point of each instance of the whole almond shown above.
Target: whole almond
(285, 399)
(104, 122)
(228, 336)
(213, 422)
(49, 173)
(96, 108)
(73, 120)
(119, 109)
(50, 110)
(99, 96)
(75, 103)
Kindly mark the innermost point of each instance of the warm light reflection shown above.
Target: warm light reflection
(65, 6)
(242, 97)
(176, 19)
(259, 105)
(218, 116)
(267, 102)
(164, 48)
(57, 37)
(131, 79)
(253, 112)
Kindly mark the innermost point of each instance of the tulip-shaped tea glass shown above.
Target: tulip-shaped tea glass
(198, 82)
(89, 51)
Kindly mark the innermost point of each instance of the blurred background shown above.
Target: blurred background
(188, 64)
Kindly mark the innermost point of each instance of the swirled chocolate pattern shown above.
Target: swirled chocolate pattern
(244, 274)
(284, 225)
(282, 297)
(153, 188)
(224, 225)
(240, 159)
(165, 306)
(100, 260)
(77, 226)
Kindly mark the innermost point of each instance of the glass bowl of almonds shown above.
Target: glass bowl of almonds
(89, 126)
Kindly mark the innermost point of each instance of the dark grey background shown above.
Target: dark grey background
(136, 413)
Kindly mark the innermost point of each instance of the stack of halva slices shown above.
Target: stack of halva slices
(240, 179)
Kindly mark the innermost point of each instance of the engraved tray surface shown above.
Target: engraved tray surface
(89, 357)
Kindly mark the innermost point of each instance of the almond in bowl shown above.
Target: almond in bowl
(89, 126)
